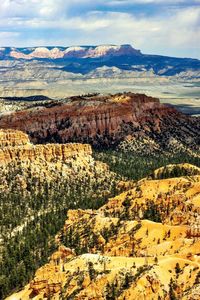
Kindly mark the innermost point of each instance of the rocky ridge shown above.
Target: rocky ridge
(48, 152)
(16, 146)
(19, 156)
(142, 243)
(85, 59)
(120, 120)
(175, 170)
(27, 170)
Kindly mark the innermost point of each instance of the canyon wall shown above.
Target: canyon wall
(99, 120)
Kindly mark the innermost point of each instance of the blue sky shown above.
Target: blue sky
(168, 27)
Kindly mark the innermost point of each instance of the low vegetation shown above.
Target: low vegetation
(136, 167)
(33, 208)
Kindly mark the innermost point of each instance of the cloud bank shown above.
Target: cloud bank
(154, 26)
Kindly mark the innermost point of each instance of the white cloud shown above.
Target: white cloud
(173, 31)
(7, 36)
(122, 2)
(176, 34)
(29, 8)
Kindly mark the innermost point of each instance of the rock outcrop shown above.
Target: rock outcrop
(15, 145)
(48, 152)
(107, 121)
(13, 138)
(21, 161)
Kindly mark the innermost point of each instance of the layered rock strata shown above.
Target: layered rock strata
(107, 121)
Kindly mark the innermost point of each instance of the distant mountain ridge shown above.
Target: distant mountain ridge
(62, 52)
(86, 59)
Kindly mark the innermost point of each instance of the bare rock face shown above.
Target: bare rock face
(47, 152)
(13, 138)
(25, 167)
(15, 145)
(104, 121)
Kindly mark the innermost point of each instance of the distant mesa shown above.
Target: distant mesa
(76, 51)
(91, 59)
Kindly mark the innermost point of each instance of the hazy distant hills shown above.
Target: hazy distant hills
(86, 59)
(60, 72)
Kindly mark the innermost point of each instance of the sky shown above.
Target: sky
(166, 27)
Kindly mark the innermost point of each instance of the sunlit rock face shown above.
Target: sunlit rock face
(132, 122)
(15, 145)
(75, 51)
(13, 138)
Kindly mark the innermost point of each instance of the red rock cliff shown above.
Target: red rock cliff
(100, 120)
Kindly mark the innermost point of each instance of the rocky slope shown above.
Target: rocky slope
(38, 184)
(133, 122)
(175, 170)
(22, 160)
(143, 244)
